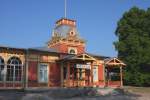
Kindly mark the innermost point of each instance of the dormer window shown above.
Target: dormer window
(72, 50)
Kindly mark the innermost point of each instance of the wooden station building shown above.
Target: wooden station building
(62, 63)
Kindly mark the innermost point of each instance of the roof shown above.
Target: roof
(65, 19)
(113, 62)
(44, 49)
(83, 57)
(63, 30)
(98, 56)
(9, 47)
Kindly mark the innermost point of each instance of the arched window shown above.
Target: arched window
(14, 69)
(1, 69)
(72, 51)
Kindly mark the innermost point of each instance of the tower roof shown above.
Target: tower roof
(64, 30)
(66, 21)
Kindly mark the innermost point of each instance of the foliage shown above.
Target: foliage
(133, 45)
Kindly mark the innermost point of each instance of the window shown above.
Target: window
(72, 50)
(2, 72)
(72, 33)
(43, 73)
(14, 69)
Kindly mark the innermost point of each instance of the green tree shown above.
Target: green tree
(133, 45)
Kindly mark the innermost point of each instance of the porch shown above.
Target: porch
(114, 72)
(76, 71)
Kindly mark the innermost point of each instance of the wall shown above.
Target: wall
(6, 54)
(63, 47)
(54, 70)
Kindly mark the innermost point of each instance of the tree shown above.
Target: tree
(133, 45)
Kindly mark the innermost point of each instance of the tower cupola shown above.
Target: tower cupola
(65, 37)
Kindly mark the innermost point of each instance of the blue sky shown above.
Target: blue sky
(29, 23)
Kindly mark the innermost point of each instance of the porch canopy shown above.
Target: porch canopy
(80, 57)
(114, 62)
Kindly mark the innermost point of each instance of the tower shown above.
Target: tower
(65, 37)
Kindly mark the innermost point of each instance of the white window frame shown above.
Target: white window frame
(15, 69)
(39, 80)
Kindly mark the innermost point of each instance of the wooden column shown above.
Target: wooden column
(91, 74)
(83, 76)
(121, 79)
(68, 74)
(78, 77)
(108, 77)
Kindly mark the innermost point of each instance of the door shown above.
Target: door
(95, 74)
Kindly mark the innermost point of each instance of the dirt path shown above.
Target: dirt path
(133, 94)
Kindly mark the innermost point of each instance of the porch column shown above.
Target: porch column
(91, 76)
(68, 74)
(83, 76)
(108, 76)
(121, 79)
(62, 75)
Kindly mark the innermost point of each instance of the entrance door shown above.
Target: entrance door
(95, 74)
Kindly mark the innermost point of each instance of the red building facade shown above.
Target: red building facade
(64, 62)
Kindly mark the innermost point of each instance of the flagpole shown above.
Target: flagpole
(65, 8)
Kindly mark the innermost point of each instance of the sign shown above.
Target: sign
(83, 66)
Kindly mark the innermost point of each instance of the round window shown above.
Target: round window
(72, 33)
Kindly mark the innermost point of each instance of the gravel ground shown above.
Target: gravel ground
(50, 95)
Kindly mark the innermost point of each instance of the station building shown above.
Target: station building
(63, 62)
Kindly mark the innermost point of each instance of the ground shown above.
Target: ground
(128, 93)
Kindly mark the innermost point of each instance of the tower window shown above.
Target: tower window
(72, 51)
